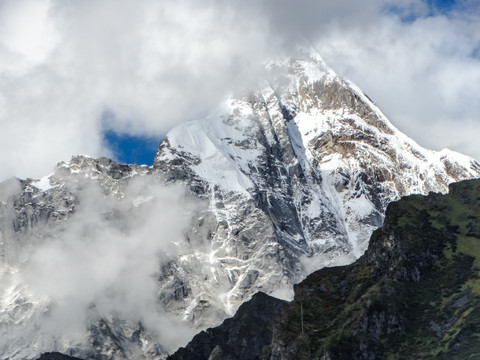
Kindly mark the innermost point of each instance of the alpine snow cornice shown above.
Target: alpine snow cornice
(291, 178)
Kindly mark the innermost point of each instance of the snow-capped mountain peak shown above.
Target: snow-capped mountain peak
(289, 178)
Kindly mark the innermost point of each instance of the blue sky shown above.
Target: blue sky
(443, 5)
(130, 148)
(425, 8)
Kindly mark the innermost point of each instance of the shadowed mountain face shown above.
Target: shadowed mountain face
(271, 186)
(242, 337)
(56, 356)
(415, 294)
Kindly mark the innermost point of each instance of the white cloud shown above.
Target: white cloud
(422, 74)
(153, 64)
(109, 256)
(150, 63)
(25, 29)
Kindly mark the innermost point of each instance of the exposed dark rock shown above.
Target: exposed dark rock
(242, 337)
(56, 356)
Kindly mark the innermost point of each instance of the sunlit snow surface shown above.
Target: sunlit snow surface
(44, 183)
(222, 163)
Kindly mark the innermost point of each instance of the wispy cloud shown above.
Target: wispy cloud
(105, 263)
(423, 73)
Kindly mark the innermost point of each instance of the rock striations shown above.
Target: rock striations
(291, 178)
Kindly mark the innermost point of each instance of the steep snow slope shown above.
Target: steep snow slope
(289, 179)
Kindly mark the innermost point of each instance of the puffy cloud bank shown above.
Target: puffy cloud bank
(66, 65)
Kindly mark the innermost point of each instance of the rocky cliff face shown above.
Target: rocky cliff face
(414, 294)
(293, 177)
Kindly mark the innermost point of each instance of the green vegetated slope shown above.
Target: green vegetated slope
(415, 294)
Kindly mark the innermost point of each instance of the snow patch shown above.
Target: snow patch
(139, 200)
(43, 183)
(283, 293)
(224, 151)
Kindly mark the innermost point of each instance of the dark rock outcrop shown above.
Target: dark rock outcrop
(57, 356)
(242, 337)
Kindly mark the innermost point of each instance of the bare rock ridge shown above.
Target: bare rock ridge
(291, 178)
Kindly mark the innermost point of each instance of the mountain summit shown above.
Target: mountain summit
(302, 169)
(291, 178)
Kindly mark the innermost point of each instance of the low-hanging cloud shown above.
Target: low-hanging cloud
(103, 262)
(152, 64)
